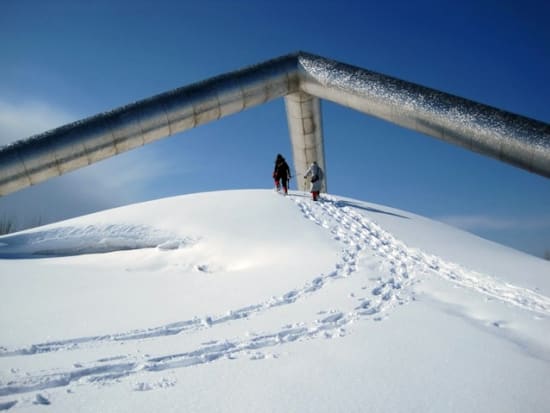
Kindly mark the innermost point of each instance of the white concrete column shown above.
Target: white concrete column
(306, 135)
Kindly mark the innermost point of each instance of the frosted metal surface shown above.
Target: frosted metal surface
(511, 138)
(53, 153)
(303, 79)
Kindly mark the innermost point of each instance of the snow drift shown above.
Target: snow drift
(251, 301)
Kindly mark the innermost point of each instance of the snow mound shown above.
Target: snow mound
(307, 306)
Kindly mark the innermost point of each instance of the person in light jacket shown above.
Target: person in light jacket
(316, 177)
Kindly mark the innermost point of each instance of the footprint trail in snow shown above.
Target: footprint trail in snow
(401, 258)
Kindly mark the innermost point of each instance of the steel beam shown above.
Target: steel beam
(502, 135)
(303, 79)
(82, 143)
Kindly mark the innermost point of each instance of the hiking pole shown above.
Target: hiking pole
(288, 183)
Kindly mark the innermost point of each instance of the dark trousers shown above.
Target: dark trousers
(285, 183)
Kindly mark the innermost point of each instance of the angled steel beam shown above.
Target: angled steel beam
(304, 79)
(82, 143)
(508, 137)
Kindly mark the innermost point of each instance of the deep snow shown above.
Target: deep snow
(251, 301)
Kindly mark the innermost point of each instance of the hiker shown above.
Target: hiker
(316, 174)
(281, 173)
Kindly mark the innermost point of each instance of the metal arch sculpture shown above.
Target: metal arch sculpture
(302, 79)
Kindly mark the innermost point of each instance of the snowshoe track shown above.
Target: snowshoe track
(403, 260)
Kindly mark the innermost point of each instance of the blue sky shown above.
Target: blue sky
(64, 60)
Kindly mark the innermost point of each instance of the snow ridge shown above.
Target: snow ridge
(90, 239)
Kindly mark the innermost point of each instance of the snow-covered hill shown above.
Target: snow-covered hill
(251, 301)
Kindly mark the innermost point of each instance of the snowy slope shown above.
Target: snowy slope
(251, 301)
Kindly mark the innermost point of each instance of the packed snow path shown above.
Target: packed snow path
(397, 268)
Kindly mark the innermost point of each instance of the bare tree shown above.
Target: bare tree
(7, 225)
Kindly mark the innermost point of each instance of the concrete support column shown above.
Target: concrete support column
(306, 135)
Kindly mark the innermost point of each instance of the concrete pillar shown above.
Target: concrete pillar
(303, 113)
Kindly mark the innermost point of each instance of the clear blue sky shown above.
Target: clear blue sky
(64, 60)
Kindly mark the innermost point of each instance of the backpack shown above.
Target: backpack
(281, 169)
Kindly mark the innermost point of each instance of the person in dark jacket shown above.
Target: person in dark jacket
(281, 173)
